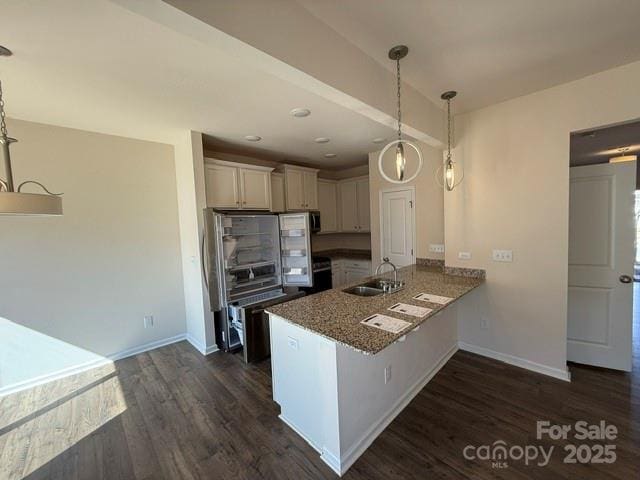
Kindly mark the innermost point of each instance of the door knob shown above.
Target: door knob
(626, 279)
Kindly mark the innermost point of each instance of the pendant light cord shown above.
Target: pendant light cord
(449, 128)
(399, 109)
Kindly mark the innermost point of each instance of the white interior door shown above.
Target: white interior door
(601, 255)
(397, 224)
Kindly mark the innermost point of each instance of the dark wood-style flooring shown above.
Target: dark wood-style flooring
(171, 413)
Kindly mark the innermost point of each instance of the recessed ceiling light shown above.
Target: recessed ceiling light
(253, 138)
(329, 155)
(5, 52)
(379, 140)
(322, 140)
(300, 112)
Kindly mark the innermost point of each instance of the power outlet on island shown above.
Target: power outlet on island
(464, 255)
(148, 321)
(387, 374)
(503, 256)
(484, 323)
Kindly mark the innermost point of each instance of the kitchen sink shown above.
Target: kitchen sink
(364, 291)
(376, 287)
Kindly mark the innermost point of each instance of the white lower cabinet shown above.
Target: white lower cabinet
(345, 271)
(336, 273)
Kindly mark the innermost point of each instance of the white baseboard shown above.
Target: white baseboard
(294, 427)
(76, 369)
(341, 464)
(146, 347)
(204, 350)
(518, 361)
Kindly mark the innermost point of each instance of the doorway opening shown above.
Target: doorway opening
(603, 258)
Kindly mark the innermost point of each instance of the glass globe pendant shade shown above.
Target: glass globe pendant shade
(401, 162)
(449, 175)
(446, 175)
(400, 176)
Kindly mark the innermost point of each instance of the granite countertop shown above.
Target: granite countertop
(355, 254)
(337, 315)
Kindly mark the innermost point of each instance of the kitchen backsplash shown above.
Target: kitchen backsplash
(330, 241)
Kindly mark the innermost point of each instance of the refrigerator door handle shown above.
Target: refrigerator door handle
(202, 259)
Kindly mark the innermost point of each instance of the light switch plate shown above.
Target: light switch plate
(464, 255)
(436, 248)
(503, 255)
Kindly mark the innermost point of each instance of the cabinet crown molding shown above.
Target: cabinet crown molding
(248, 166)
(287, 166)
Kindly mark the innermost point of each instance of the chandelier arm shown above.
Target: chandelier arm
(40, 185)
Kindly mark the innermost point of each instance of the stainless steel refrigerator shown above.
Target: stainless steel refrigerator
(249, 260)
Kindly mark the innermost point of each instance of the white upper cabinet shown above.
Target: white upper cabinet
(222, 186)
(255, 189)
(301, 188)
(354, 205)
(294, 189)
(348, 206)
(364, 212)
(328, 205)
(277, 192)
(311, 190)
(237, 186)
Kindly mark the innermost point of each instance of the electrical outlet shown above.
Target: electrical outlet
(387, 374)
(293, 343)
(464, 255)
(484, 323)
(148, 321)
(503, 255)
(436, 248)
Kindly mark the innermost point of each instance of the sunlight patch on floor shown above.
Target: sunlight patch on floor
(39, 424)
(28, 356)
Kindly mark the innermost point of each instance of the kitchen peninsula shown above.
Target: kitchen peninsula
(326, 363)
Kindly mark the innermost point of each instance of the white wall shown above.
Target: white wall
(515, 196)
(89, 277)
(189, 164)
(429, 204)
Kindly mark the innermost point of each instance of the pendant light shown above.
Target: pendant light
(397, 53)
(624, 156)
(12, 200)
(446, 175)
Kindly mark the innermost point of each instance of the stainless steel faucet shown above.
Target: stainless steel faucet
(385, 260)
